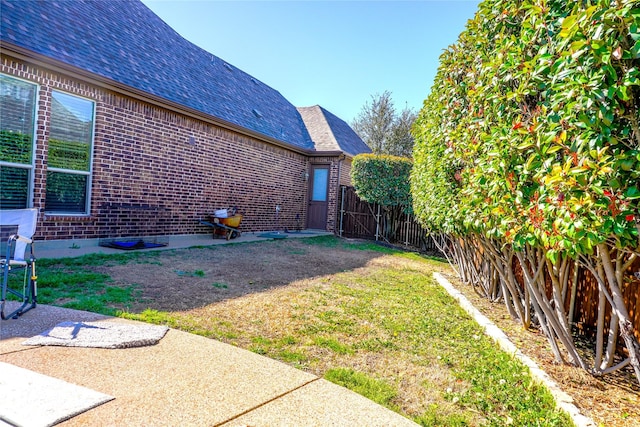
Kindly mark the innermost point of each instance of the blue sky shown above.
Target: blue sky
(336, 54)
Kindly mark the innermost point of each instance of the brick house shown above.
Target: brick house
(114, 125)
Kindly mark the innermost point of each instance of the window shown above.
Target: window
(17, 125)
(320, 184)
(69, 155)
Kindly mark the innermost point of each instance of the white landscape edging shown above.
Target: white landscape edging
(563, 400)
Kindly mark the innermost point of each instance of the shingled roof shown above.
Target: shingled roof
(125, 42)
(330, 133)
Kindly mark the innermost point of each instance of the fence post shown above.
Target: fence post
(406, 234)
(378, 224)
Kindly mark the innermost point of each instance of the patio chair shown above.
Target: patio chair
(14, 259)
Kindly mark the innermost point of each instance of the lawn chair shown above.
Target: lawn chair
(25, 221)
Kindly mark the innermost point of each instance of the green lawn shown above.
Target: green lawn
(385, 329)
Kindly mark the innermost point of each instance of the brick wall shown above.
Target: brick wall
(345, 174)
(156, 172)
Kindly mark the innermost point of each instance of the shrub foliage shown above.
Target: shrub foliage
(384, 180)
(528, 148)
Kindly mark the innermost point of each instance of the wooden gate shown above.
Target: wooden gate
(363, 220)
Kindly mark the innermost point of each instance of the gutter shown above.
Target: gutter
(340, 212)
(43, 61)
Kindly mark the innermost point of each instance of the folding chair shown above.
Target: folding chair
(25, 220)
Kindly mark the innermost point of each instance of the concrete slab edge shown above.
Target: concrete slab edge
(563, 400)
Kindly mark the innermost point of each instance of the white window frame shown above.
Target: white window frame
(34, 133)
(88, 174)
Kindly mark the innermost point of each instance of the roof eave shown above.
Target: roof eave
(335, 153)
(9, 49)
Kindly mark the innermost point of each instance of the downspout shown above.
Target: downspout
(340, 160)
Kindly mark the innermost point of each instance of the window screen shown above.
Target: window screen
(69, 154)
(17, 123)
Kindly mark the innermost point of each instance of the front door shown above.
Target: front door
(318, 195)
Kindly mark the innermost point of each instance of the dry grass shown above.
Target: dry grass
(306, 324)
(373, 321)
(360, 314)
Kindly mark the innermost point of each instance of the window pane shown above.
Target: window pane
(66, 192)
(70, 136)
(17, 114)
(70, 140)
(320, 184)
(15, 187)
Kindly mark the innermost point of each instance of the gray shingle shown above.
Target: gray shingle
(330, 133)
(126, 42)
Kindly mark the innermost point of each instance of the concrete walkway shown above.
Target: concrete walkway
(75, 248)
(185, 379)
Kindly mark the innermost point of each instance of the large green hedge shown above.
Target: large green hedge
(528, 147)
(382, 179)
(531, 133)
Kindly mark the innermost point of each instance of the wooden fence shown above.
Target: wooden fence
(583, 313)
(362, 220)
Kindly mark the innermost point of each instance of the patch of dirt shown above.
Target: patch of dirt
(189, 279)
(185, 279)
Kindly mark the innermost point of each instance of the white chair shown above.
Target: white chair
(14, 259)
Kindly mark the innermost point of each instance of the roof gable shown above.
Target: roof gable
(126, 42)
(330, 133)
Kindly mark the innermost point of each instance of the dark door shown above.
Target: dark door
(318, 194)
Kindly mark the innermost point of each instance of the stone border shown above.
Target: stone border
(563, 400)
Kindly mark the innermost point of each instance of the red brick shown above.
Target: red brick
(149, 180)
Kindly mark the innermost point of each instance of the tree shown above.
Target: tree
(401, 141)
(382, 129)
